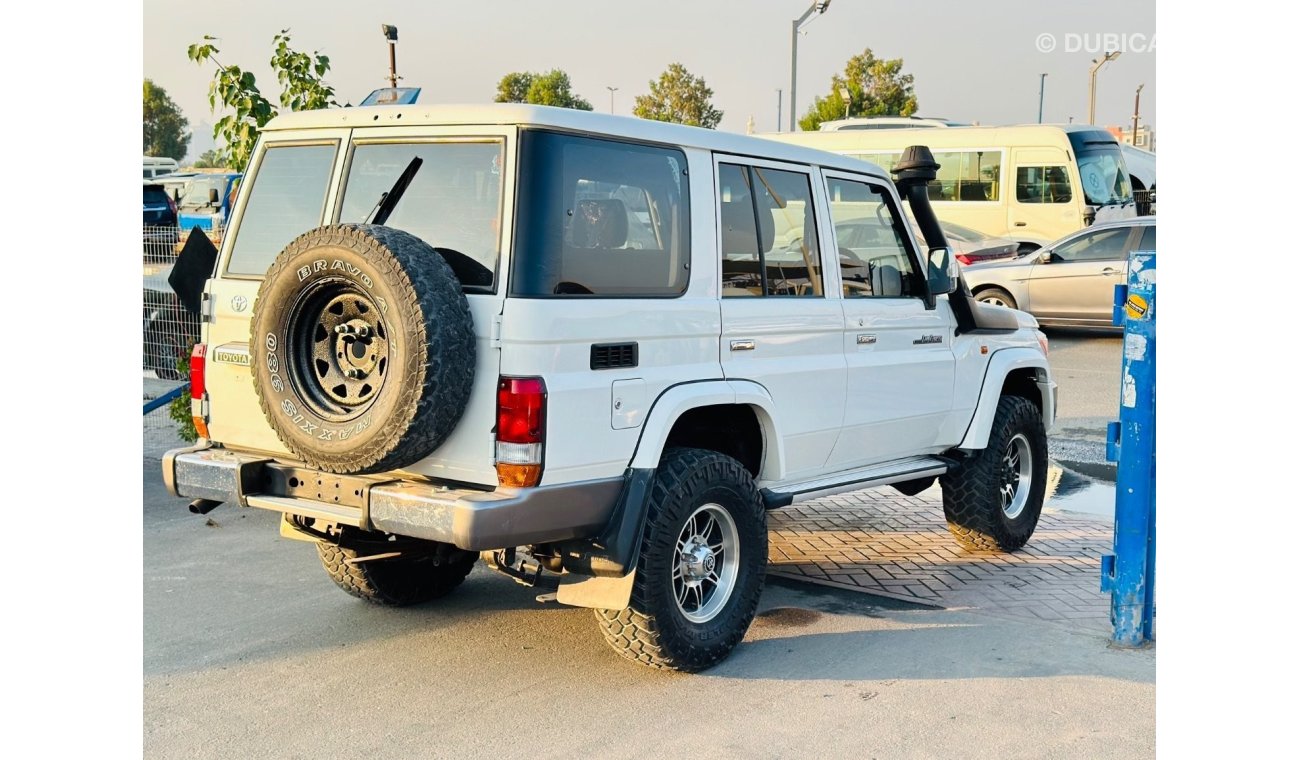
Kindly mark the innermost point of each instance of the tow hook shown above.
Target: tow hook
(204, 506)
(504, 561)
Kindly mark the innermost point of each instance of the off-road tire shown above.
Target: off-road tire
(997, 297)
(409, 400)
(653, 630)
(971, 501)
(396, 582)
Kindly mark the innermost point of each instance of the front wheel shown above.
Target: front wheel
(700, 573)
(993, 499)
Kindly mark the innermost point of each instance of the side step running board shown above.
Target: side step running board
(911, 468)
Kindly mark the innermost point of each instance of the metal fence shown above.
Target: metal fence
(1146, 202)
(169, 333)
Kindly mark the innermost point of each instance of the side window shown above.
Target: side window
(600, 218)
(1148, 239)
(974, 175)
(1042, 184)
(1102, 245)
(874, 258)
(452, 203)
(769, 233)
(287, 198)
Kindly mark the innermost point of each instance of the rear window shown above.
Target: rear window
(453, 202)
(155, 196)
(600, 218)
(286, 199)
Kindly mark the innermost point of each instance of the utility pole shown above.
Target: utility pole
(1137, 101)
(1042, 78)
(778, 110)
(819, 8)
(612, 90)
(390, 32)
(1092, 83)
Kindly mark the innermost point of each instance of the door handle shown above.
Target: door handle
(1022, 224)
(1110, 272)
(742, 345)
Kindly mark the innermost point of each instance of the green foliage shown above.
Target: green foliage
(302, 87)
(164, 125)
(210, 159)
(877, 88)
(549, 89)
(179, 411)
(302, 82)
(679, 97)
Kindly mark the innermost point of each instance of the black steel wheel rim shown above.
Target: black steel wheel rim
(339, 350)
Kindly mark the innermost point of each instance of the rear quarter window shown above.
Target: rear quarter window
(600, 218)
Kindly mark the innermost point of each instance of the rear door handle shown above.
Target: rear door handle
(742, 345)
(1110, 272)
(1021, 224)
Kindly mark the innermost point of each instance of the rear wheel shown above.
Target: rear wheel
(398, 581)
(700, 573)
(997, 297)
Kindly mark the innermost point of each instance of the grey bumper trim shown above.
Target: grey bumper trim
(470, 519)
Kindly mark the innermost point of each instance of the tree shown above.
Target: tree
(302, 87)
(210, 159)
(549, 89)
(164, 125)
(877, 88)
(679, 97)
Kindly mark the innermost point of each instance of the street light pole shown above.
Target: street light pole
(1042, 78)
(390, 32)
(612, 90)
(1092, 83)
(819, 8)
(1137, 101)
(778, 110)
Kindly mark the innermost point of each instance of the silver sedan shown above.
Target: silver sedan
(1070, 282)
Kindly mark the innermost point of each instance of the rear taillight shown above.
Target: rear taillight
(521, 430)
(963, 258)
(199, 388)
(171, 204)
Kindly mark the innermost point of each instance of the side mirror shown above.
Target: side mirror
(213, 196)
(1044, 257)
(943, 275)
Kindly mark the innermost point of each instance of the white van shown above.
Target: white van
(156, 167)
(1036, 181)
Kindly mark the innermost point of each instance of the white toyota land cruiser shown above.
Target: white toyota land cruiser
(597, 346)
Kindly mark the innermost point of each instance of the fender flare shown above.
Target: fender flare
(1003, 362)
(679, 399)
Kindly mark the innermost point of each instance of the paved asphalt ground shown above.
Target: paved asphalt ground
(1086, 364)
(251, 652)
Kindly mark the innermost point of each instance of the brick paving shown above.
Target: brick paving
(882, 542)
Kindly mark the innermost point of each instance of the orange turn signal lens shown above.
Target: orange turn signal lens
(518, 475)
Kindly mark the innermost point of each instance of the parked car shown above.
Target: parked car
(970, 245)
(1070, 282)
(573, 343)
(160, 230)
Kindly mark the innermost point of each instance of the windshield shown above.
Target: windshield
(1104, 177)
(196, 195)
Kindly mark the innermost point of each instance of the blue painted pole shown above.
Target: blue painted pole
(166, 398)
(1129, 573)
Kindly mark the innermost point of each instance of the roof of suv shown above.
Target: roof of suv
(567, 119)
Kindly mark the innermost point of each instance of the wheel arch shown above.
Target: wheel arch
(1018, 371)
(690, 413)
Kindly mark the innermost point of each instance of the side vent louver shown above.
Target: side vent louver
(613, 355)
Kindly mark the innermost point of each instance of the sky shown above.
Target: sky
(977, 62)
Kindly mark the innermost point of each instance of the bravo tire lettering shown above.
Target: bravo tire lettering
(352, 270)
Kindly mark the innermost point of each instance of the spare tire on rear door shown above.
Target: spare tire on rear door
(362, 348)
